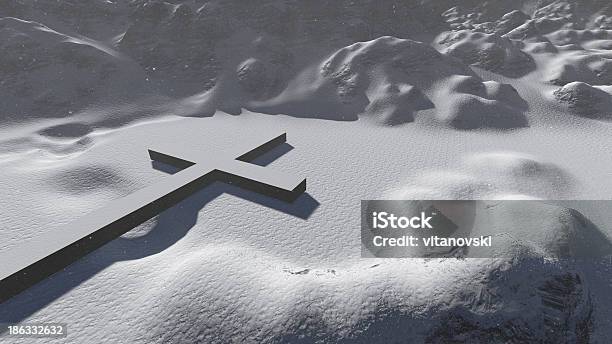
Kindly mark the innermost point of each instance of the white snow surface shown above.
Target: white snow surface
(385, 116)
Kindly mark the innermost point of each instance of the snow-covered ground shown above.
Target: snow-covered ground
(379, 100)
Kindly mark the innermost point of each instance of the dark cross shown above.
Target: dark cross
(52, 251)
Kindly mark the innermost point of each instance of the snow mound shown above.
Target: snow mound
(468, 103)
(524, 228)
(421, 64)
(561, 232)
(391, 79)
(553, 293)
(259, 78)
(520, 166)
(588, 39)
(489, 51)
(481, 19)
(594, 41)
(510, 21)
(522, 21)
(387, 75)
(586, 100)
(491, 175)
(572, 14)
(534, 30)
(591, 67)
(48, 74)
(569, 55)
(393, 104)
(264, 65)
(215, 302)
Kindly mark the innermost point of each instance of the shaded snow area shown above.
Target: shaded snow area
(379, 99)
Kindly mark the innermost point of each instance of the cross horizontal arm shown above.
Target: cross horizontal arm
(262, 180)
(181, 158)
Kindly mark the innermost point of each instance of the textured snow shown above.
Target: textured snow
(514, 104)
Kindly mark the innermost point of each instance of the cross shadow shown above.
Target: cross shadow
(169, 227)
